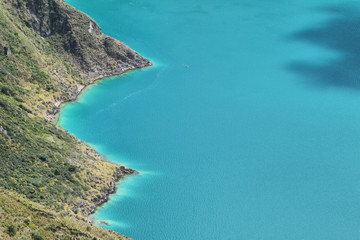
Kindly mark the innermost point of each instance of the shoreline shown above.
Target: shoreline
(58, 51)
(54, 115)
(92, 78)
(125, 171)
(121, 170)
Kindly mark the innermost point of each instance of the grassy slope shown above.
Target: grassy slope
(40, 162)
(23, 219)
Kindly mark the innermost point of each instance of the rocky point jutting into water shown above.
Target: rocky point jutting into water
(79, 40)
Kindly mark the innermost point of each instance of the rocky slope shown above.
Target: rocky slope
(48, 53)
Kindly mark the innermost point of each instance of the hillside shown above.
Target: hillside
(23, 219)
(50, 52)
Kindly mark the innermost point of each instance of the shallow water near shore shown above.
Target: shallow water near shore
(247, 127)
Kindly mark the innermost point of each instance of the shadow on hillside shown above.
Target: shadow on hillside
(342, 34)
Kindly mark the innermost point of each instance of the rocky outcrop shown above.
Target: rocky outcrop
(88, 209)
(79, 40)
(120, 173)
(7, 51)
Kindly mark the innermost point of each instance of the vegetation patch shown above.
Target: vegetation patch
(50, 182)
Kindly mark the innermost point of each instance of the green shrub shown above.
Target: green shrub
(7, 90)
(11, 230)
(27, 221)
(72, 168)
(36, 236)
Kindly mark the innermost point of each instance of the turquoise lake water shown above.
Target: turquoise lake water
(258, 138)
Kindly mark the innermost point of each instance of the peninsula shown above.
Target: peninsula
(50, 182)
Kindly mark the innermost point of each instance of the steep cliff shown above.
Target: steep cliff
(49, 53)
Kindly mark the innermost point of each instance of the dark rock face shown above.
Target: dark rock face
(45, 17)
(78, 35)
(7, 51)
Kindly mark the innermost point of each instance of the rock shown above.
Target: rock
(104, 223)
(3, 130)
(7, 51)
(92, 30)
